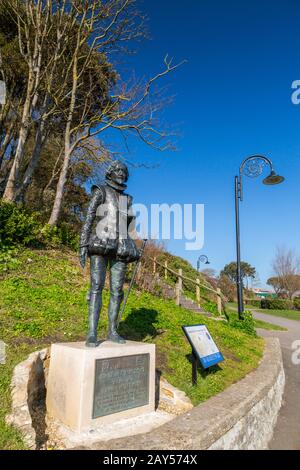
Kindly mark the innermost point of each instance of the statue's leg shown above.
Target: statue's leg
(98, 271)
(117, 279)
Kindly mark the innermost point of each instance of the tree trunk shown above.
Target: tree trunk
(68, 147)
(39, 143)
(60, 189)
(5, 169)
(9, 193)
(6, 141)
(32, 94)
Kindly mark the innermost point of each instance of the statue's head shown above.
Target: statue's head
(117, 174)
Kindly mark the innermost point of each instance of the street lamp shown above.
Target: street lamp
(202, 259)
(252, 167)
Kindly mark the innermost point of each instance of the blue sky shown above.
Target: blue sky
(233, 99)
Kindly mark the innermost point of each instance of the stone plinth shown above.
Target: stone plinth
(88, 387)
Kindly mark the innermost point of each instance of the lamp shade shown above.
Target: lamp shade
(273, 178)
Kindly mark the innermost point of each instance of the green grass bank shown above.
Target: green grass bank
(43, 300)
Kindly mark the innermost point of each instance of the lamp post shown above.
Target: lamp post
(252, 167)
(202, 259)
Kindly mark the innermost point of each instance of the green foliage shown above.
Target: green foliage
(8, 259)
(68, 236)
(211, 307)
(43, 300)
(31, 329)
(10, 437)
(246, 270)
(277, 304)
(232, 315)
(19, 227)
(49, 235)
(55, 236)
(297, 303)
(247, 324)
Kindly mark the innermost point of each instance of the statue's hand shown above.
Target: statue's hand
(83, 256)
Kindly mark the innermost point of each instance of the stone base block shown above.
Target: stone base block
(88, 387)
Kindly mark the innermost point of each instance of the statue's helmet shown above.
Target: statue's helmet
(117, 173)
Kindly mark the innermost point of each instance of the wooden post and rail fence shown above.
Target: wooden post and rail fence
(179, 283)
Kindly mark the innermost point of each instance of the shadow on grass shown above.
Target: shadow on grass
(139, 324)
(36, 390)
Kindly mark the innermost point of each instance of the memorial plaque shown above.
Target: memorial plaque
(121, 383)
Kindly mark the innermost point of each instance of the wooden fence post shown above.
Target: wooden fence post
(178, 288)
(139, 272)
(180, 279)
(198, 291)
(219, 301)
(166, 269)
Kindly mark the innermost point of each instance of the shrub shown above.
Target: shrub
(277, 304)
(68, 236)
(49, 236)
(246, 324)
(17, 225)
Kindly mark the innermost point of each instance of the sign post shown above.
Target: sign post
(194, 367)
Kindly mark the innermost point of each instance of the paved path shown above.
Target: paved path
(287, 430)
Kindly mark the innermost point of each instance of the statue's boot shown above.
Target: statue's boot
(95, 302)
(113, 312)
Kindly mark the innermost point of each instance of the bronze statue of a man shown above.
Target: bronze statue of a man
(105, 239)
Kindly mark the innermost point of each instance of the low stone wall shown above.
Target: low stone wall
(241, 417)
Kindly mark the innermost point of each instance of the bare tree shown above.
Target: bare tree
(11, 72)
(70, 87)
(209, 272)
(63, 25)
(33, 20)
(286, 267)
(127, 109)
(275, 283)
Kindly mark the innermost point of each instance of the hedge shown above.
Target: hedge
(277, 304)
(297, 303)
